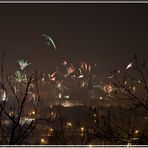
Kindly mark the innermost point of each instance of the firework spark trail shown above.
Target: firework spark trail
(4, 96)
(65, 63)
(33, 95)
(52, 77)
(129, 66)
(80, 76)
(110, 77)
(49, 40)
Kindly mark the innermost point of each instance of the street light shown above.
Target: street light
(42, 141)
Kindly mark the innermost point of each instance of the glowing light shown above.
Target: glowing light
(134, 88)
(42, 140)
(50, 131)
(53, 79)
(59, 85)
(110, 77)
(66, 104)
(73, 76)
(60, 95)
(65, 63)
(83, 84)
(11, 113)
(68, 124)
(26, 120)
(67, 97)
(95, 121)
(32, 113)
(101, 98)
(136, 131)
(90, 145)
(94, 115)
(43, 79)
(52, 113)
(129, 144)
(81, 76)
(82, 129)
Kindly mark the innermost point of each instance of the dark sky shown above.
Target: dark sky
(108, 34)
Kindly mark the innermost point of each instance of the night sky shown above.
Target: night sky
(107, 34)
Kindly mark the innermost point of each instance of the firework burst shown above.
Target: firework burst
(23, 64)
(19, 78)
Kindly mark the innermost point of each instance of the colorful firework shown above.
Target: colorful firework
(84, 73)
